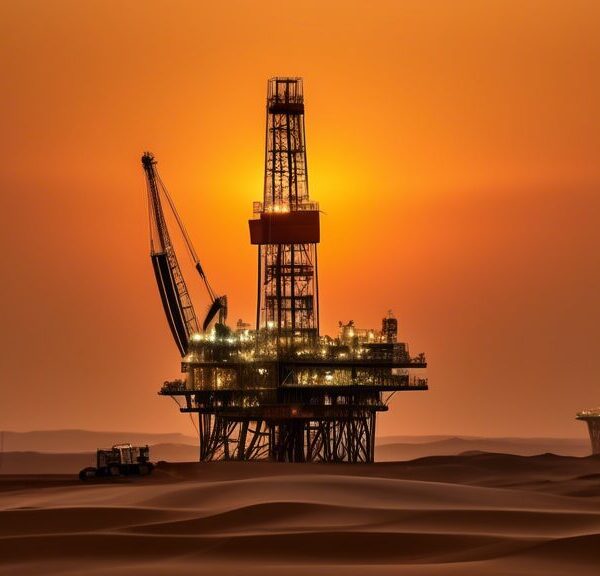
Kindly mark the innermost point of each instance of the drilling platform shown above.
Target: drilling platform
(279, 390)
(592, 417)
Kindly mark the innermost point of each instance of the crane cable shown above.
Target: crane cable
(189, 414)
(188, 242)
(389, 398)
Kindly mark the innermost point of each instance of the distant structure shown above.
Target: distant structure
(280, 391)
(592, 417)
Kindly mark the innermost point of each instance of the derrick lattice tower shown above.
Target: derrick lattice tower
(286, 227)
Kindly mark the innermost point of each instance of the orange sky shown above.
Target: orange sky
(454, 147)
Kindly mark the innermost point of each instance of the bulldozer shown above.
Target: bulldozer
(120, 460)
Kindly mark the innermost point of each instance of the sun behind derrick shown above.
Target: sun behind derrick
(280, 391)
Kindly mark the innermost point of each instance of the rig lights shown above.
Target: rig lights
(281, 208)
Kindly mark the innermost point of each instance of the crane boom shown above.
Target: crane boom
(174, 294)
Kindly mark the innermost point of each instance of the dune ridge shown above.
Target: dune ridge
(498, 514)
(63, 451)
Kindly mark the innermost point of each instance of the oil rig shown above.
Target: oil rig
(279, 390)
(592, 417)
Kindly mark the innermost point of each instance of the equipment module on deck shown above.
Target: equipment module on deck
(120, 460)
(281, 391)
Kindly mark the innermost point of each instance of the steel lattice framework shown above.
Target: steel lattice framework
(286, 221)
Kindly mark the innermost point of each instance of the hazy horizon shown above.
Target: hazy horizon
(193, 436)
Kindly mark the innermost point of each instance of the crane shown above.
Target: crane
(172, 288)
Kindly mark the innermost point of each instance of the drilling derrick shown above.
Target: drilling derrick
(286, 229)
(283, 391)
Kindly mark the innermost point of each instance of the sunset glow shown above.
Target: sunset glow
(454, 152)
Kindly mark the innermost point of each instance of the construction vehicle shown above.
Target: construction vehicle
(120, 460)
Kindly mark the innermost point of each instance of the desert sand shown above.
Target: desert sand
(473, 514)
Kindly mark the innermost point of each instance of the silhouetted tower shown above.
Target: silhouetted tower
(287, 228)
(592, 417)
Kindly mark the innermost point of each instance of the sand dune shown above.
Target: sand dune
(72, 440)
(57, 463)
(448, 515)
(394, 448)
(69, 441)
(67, 451)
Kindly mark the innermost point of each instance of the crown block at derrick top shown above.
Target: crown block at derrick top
(298, 227)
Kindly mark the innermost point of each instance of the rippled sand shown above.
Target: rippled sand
(474, 514)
